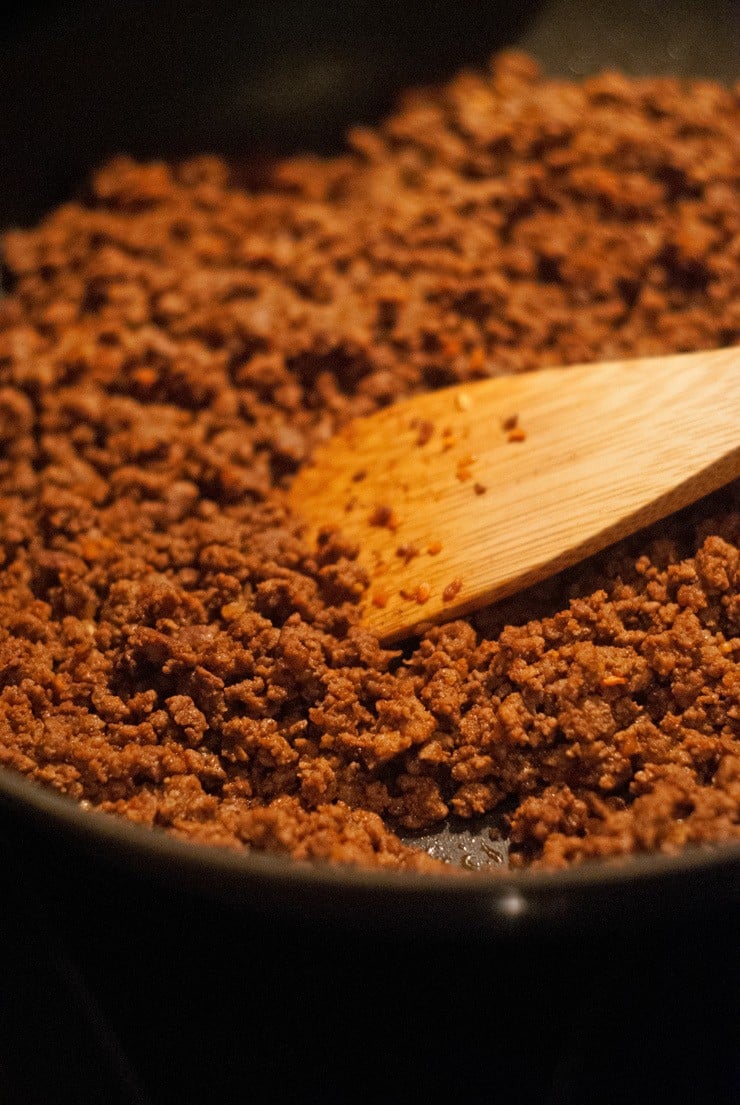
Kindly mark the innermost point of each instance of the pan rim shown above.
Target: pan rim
(189, 857)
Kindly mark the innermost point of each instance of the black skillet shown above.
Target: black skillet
(82, 82)
(202, 978)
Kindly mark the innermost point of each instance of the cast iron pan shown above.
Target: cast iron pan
(80, 83)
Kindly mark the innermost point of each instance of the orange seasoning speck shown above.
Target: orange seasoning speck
(477, 357)
(93, 548)
(517, 434)
(448, 440)
(463, 467)
(434, 548)
(145, 377)
(380, 599)
(452, 590)
(613, 681)
(423, 593)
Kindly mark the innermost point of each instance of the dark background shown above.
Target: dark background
(82, 81)
(116, 990)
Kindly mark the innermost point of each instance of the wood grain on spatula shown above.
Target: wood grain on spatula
(461, 497)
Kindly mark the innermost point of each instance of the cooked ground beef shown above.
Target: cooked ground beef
(170, 352)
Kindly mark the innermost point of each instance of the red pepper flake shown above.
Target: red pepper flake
(385, 517)
(480, 488)
(434, 548)
(350, 504)
(452, 590)
(423, 593)
(511, 422)
(380, 599)
(613, 681)
(145, 377)
(464, 474)
(407, 593)
(517, 434)
(407, 552)
(359, 475)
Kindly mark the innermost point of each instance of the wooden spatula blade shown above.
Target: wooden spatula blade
(461, 497)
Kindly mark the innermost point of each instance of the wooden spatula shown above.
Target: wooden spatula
(463, 496)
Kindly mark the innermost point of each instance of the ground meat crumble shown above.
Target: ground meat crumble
(172, 348)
